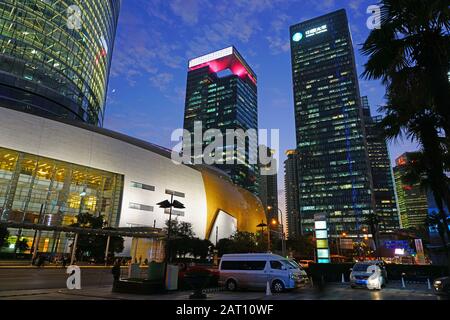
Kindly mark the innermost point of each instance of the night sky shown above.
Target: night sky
(156, 38)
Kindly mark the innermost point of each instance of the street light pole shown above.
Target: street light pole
(169, 205)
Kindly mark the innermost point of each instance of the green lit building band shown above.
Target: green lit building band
(55, 56)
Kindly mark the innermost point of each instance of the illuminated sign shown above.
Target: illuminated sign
(322, 243)
(323, 253)
(211, 56)
(321, 234)
(399, 251)
(297, 37)
(314, 31)
(320, 225)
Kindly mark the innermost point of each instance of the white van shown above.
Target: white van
(254, 270)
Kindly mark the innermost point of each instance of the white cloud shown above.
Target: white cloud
(188, 10)
(161, 80)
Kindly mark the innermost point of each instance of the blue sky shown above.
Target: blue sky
(156, 38)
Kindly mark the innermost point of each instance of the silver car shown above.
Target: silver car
(368, 274)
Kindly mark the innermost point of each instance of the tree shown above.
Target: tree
(180, 238)
(244, 242)
(94, 246)
(410, 53)
(4, 235)
(302, 246)
(200, 248)
(241, 242)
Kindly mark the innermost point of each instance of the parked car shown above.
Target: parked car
(368, 274)
(305, 263)
(442, 286)
(254, 271)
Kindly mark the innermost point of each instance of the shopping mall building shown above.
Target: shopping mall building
(60, 168)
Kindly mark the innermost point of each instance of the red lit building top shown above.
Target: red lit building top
(228, 58)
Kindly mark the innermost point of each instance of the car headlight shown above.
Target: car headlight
(438, 282)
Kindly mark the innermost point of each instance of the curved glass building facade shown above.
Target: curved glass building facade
(55, 56)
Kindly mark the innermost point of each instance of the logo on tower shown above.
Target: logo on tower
(297, 37)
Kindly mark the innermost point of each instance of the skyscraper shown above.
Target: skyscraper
(222, 93)
(412, 200)
(381, 171)
(334, 167)
(291, 194)
(55, 56)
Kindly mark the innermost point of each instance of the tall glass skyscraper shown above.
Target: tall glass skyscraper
(291, 175)
(334, 169)
(55, 56)
(222, 93)
(381, 170)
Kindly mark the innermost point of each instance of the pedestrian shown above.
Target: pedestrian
(116, 271)
(64, 261)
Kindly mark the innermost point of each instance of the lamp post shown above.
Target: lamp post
(169, 205)
(262, 225)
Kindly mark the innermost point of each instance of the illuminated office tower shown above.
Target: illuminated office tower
(55, 56)
(412, 199)
(222, 93)
(334, 169)
(291, 194)
(381, 171)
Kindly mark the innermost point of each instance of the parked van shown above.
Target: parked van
(254, 270)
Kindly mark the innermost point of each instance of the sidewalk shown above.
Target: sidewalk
(335, 291)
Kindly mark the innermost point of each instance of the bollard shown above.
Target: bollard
(429, 284)
(343, 279)
(268, 291)
(403, 283)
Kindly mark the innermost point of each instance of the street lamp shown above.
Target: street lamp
(262, 225)
(169, 205)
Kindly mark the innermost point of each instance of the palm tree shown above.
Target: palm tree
(411, 51)
(411, 55)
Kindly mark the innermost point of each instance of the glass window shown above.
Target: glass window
(175, 193)
(277, 265)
